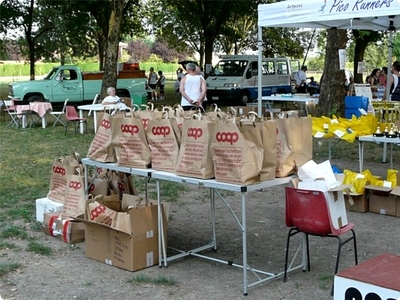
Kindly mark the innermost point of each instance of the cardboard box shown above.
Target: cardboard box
(360, 202)
(376, 278)
(383, 200)
(70, 231)
(131, 252)
(45, 205)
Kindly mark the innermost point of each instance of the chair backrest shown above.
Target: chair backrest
(308, 211)
(65, 105)
(96, 98)
(70, 112)
(9, 104)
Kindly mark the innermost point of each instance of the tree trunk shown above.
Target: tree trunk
(111, 53)
(331, 99)
(359, 50)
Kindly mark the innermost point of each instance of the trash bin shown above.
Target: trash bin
(139, 98)
(353, 103)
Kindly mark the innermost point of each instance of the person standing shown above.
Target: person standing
(301, 78)
(201, 73)
(160, 84)
(394, 82)
(192, 88)
(151, 82)
(179, 76)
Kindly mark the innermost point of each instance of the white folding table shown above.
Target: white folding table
(215, 186)
(269, 100)
(95, 108)
(378, 140)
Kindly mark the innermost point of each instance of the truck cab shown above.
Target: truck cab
(235, 78)
(68, 81)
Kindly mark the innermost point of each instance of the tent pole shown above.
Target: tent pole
(259, 77)
(389, 73)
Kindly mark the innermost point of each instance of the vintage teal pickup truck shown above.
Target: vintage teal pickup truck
(70, 82)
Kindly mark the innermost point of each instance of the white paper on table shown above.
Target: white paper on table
(319, 134)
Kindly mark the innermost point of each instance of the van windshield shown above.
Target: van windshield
(230, 68)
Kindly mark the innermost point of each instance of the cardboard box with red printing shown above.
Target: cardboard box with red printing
(68, 230)
(127, 239)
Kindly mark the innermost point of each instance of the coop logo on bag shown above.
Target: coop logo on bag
(161, 130)
(97, 211)
(195, 133)
(227, 137)
(105, 124)
(92, 187)
(76, 185)
(59, 170)
(127, 128)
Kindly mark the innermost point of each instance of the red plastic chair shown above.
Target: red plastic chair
(308, 212)
(72, 116)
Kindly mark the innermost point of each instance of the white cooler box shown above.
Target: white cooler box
(44, 205)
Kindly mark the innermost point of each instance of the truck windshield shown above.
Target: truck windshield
(52, 74)
(230, 68)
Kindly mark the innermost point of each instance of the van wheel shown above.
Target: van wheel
(245, 97)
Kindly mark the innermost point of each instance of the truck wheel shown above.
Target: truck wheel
(36, 99)
(245, 97)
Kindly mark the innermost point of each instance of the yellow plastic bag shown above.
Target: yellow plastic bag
(392, 177)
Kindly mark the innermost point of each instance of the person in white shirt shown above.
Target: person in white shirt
(192, 88)
(151, 82)
(301, 78)
(113, 99)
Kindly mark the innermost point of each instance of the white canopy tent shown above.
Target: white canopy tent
(339, 14)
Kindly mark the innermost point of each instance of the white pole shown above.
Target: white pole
(389, 73)
(260, 48)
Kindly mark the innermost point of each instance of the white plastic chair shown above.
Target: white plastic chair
(96, 98)
(58, 114)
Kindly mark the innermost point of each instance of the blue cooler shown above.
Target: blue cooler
(353, 103)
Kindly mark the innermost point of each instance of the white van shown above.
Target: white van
(234, 79)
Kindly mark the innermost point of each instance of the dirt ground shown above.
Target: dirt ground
(68, 274)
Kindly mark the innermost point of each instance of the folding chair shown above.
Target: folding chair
(307, 212)
(10, 109)
(58, 114)
(72, 116)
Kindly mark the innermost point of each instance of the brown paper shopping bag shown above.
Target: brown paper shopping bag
(236, 155)
(61, 168)
(163, 142)
(294, 144)
(131, 146)
(268, 136)
(101, 149)
(195, 159)
(75, 197)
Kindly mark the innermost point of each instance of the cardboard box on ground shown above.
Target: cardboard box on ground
(376, 199)
(127, 239)
(70, 231)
